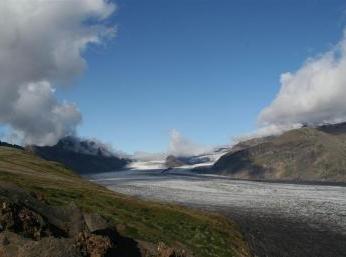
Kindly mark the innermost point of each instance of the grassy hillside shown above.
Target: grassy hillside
(203, 234)
(302, 154)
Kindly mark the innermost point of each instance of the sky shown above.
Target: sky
(204, 68)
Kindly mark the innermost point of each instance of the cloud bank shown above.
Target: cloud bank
(181, 146)
(146, 156)
(313, 95)
(178, 145)
(41, 46)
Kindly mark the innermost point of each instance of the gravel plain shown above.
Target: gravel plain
(278, 219)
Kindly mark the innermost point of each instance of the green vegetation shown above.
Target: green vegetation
(205, 235)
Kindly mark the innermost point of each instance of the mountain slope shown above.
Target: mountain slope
(81, 156)
(307, 154)
(204, 235)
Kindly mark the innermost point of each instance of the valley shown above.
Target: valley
(278, 219)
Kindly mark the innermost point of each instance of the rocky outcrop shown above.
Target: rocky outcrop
(29, 227)
(166, 251)
(173, 162)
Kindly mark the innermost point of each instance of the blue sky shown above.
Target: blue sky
(205, 68)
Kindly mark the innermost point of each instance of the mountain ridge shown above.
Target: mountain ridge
(308, 153)
(82, 156)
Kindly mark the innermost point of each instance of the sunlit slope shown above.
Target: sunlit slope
(203, 234)
(310, 154)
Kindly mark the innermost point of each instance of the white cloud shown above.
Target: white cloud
(45, 119)
(178, 146)
(146, 156)
(181, 146)
(41, 46)
(312, 95)
(269, 130)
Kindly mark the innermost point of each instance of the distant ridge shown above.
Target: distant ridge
(82, 156)
(11, 145)
(305, 154)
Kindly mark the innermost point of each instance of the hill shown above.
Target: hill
(11, 145)
(47, 209)
(305, 154)
(83, 156)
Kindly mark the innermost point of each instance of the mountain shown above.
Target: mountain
(47, 210)
(173, 162)
(305, 154)
(83, 156)
(178, 161)
(10, 145)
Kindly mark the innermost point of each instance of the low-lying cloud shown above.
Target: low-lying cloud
(266, 131)
(178, 146)
(181, 146)
(41, 46)
(147, 156)
(313, 95)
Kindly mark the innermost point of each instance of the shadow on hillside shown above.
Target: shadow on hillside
(123, 246)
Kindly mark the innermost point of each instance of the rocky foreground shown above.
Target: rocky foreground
(30, 227)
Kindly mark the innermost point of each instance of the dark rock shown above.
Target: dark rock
(95, 222)
(92, 245)
(18, 246)
(5, 241)
(164, 251)
(178, 161)
(34, 229)
(19, 218)
(172, 162)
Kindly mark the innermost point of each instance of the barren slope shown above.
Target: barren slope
(308, 154)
